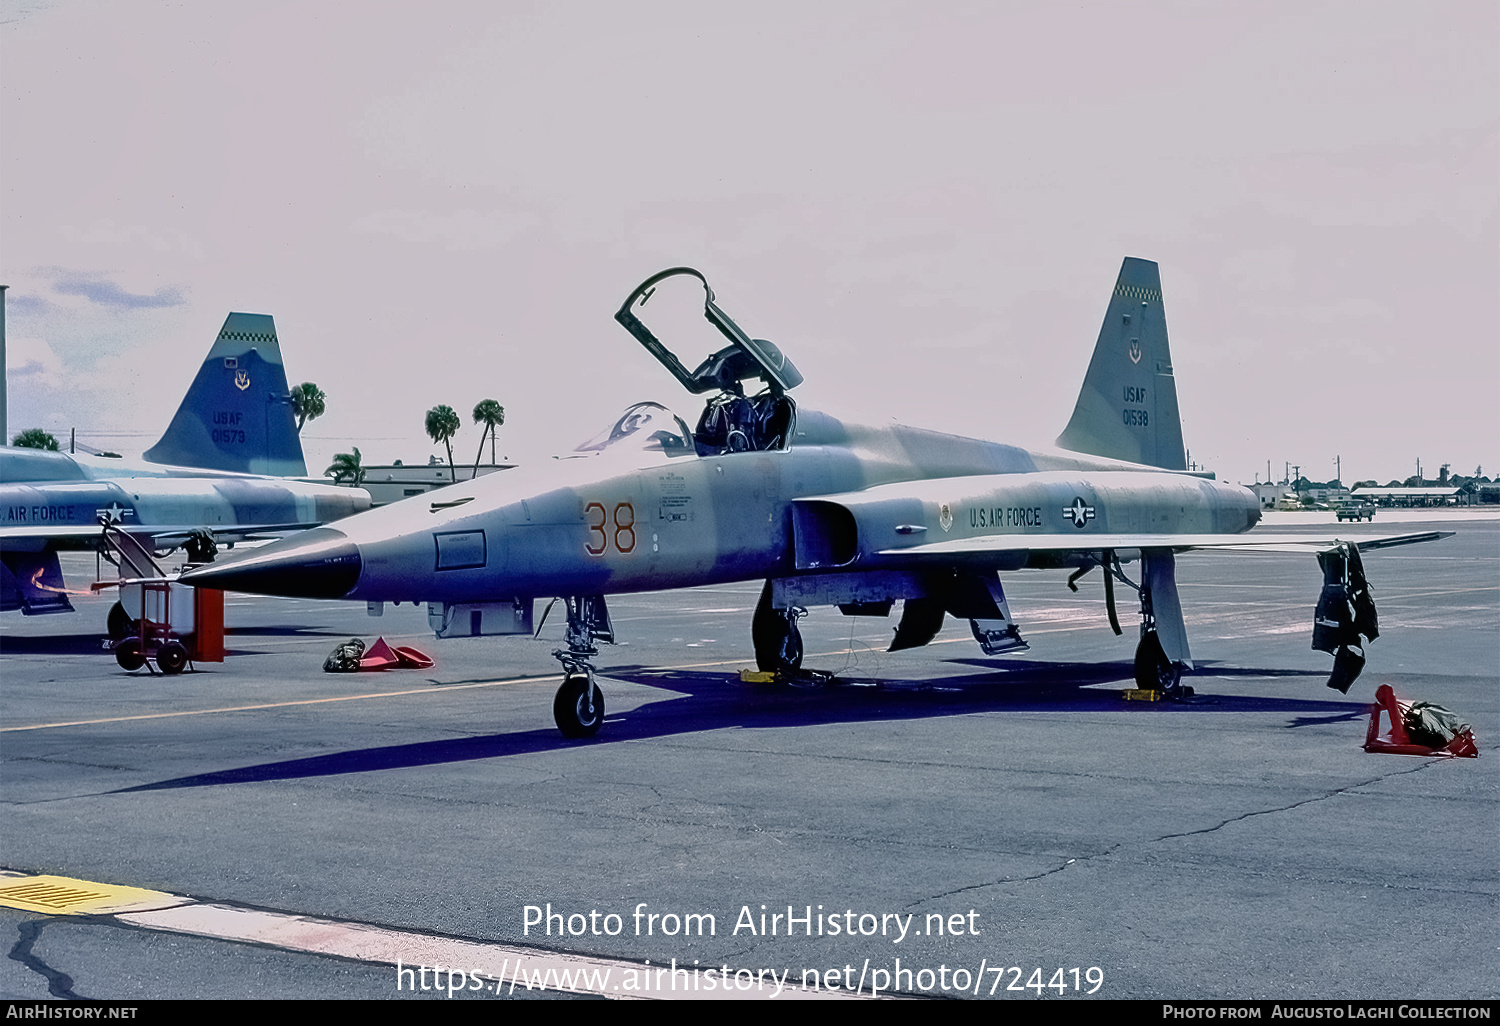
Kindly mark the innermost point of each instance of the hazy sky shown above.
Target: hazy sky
(925, 205)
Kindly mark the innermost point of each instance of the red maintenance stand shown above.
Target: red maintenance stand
(148, 593)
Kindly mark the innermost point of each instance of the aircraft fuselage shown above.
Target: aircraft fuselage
(635, 521)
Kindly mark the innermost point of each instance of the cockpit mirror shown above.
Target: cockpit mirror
(743, 358)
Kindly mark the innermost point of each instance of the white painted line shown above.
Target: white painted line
(423, 962)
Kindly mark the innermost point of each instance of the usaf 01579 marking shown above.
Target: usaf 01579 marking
(824, 511)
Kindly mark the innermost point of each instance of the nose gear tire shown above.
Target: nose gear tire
(578, 707)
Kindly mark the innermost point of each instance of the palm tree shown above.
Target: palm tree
(491, 414)
(307, 403)
(35, 438)
(346, 465)
(442, 425)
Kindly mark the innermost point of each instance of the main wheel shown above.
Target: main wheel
(1153, 670)
(172, 657)
(578, 707)
(778, 644)
(119, 623)
(129, 655)
(789, 652)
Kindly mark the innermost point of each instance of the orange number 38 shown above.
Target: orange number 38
(599, 528)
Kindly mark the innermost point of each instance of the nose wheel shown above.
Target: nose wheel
(579, 705)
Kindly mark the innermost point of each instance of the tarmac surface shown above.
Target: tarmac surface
(1040, 833)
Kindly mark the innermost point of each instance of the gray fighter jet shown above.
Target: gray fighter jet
(825, 512)
(205, 481)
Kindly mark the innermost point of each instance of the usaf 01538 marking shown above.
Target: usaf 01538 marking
(825, 512)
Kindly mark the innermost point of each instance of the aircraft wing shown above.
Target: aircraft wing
(81, 536)
(1251, 542)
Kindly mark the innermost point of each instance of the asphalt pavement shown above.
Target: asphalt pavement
(1009, 824)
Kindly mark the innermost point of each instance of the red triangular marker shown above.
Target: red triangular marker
(378, 657)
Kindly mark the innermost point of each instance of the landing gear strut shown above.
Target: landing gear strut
(778, 642)
(1155, 670)
(579, 705)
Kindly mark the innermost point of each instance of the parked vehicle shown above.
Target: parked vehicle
(1356, 509)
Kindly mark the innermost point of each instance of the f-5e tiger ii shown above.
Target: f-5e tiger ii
(825, 512)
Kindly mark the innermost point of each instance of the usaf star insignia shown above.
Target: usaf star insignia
(1080, 513)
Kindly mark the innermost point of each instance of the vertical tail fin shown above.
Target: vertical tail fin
(1127, 409)
(237, 415)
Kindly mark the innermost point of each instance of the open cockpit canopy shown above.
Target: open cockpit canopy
(743, 358)
(731, 421)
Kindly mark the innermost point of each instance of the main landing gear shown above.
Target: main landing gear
(120, 625)
(1155, 670)
(579, 705)
(1162, 653)
(777, 641)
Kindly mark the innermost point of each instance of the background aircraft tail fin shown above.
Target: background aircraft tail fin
(237, 415)
(1127, 409)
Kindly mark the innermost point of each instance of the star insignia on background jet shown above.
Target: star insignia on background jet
(1079, 512)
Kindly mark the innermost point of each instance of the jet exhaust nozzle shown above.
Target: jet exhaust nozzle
(322, 563)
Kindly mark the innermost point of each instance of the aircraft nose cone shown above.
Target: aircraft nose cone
(321, 563)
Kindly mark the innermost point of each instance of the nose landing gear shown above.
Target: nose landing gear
(578, 708)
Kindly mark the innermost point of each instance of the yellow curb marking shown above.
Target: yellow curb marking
(64, 896)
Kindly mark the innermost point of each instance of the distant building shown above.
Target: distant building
(1270, 494)
(392, 483)
(1409, 496)
(1322, 493)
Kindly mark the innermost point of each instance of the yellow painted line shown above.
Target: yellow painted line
(438, 689)
(430, 690)
(64, 896)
